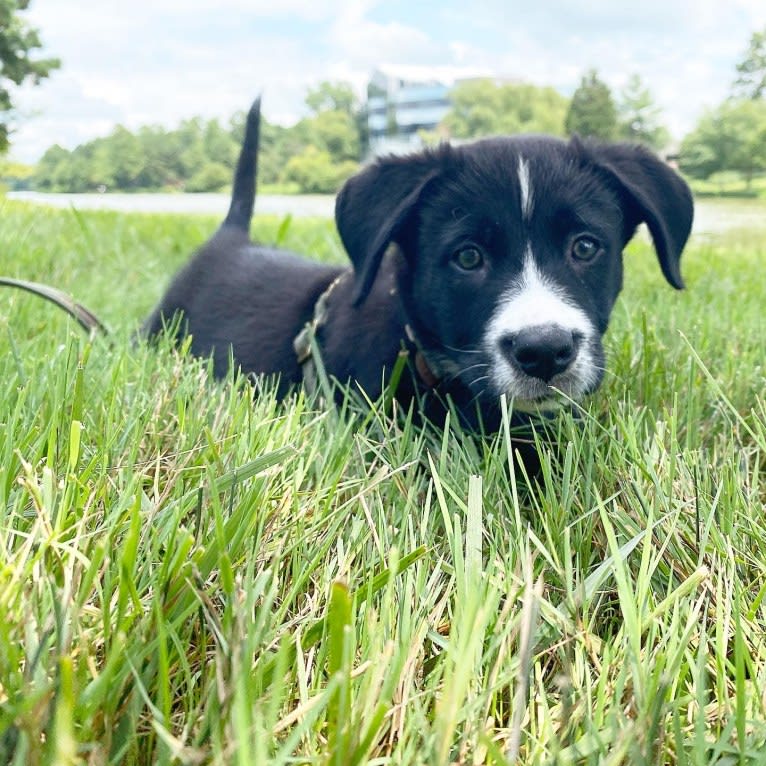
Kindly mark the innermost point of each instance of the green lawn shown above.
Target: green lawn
(730, 184)
(187, 577)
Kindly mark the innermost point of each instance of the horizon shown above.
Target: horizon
(204, 59)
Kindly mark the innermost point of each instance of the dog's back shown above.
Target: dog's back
(238, 300)
(495, 265)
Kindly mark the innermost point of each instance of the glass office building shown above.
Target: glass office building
(400, 105)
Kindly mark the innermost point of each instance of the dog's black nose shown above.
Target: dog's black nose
(541, 352)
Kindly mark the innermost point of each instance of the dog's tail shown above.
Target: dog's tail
(243, 192)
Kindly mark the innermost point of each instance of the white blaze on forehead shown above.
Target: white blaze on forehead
(525, 185)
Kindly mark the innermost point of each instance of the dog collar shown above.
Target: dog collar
(424, 370)
(305, 343)
(308, 353)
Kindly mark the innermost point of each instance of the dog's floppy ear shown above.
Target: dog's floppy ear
(655, 193)
(373, 208)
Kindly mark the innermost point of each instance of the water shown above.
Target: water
(711, 216)
(204, 204)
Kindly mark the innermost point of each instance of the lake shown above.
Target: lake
(300, 205)
(712, 216)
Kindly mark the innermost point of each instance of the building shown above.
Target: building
(401, 102)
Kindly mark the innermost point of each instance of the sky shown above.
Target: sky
(161, 61)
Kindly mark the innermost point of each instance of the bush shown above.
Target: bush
(315, 173)
(213, 176)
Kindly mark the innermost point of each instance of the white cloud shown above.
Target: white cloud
(163, 61)
(364, 43)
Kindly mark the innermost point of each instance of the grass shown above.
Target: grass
(730, 184)
(188, 576)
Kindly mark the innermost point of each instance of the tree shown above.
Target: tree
(339, 97)
(314, 171)
(126, 157)
(731, 137)
(219, 144)
(211, 177)
(48, 167)
(474, 112)
(153, 158)
(277, 145)
(317, 153)
(751, 82)
(17, 66)
(336, 133)
(485, 108)
(639, 117)
(161, 151)
(189, 146)
(592, 111)
(16, 175)
(332, 97)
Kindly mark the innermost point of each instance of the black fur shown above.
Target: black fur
(402, 220)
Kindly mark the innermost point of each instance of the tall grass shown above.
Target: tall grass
(190, 574)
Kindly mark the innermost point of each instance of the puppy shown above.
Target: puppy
(494, 266)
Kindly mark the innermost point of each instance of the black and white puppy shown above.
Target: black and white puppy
(496, 264)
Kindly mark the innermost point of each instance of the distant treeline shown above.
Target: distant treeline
(314, 155)
(322, 150)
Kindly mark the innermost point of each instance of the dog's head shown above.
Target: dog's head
(513, 252)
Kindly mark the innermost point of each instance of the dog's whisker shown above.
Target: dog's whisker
(462, 350)
(479, 394)
(480, 379)
(473, 367)
(458, 375)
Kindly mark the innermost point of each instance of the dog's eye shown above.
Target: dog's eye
(585, 248)
(469, 258)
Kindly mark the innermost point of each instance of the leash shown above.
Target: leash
(306, 347)
(305, 343)
(309, 356)
(84, 317)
